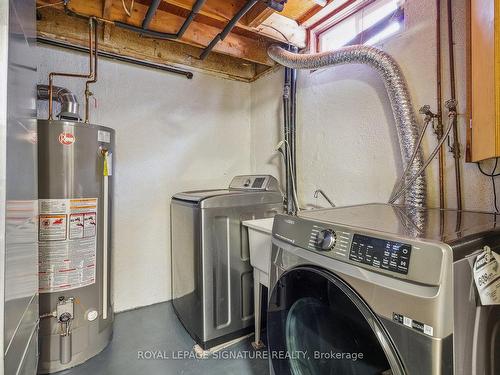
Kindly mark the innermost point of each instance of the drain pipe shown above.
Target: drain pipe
(397, 90)
(150, 13)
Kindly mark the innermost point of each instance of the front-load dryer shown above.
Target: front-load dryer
(381, 289)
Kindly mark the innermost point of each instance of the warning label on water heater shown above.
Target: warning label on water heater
(67, 243)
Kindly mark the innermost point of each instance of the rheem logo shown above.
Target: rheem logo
(66, 139)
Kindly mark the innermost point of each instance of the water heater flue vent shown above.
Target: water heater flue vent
(70, 108)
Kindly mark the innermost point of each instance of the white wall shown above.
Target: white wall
(172, 134)
(346, 139)
(175, 134)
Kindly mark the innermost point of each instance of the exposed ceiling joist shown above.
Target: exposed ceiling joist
(198, 34)
(56, 25)
(218, 12)
(247, 41)
(258, 14)
(222, 10)
(106, 13)
(312, 12)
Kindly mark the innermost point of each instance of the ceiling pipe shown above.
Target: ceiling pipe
(143, 30)
(399, 96)
(116, 57)
(222, 35)
(150, 13)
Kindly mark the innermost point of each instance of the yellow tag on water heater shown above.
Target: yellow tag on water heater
(108, 164)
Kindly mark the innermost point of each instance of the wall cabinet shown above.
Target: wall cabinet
(483, 136)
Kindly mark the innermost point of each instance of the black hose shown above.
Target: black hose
(492, 175)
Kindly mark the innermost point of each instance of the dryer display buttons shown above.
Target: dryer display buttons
(387, 255)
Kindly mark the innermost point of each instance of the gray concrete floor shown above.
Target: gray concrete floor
(156, 328)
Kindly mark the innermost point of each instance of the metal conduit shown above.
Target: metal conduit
(399, 96)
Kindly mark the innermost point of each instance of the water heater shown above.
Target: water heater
(75, 166)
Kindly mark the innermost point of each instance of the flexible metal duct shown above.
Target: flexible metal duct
(70, 108)
(395, 84)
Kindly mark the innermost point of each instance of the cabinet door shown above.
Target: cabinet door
(484, 135)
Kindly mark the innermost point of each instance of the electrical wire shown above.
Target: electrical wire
(128, 11)
(278, 31)
(49, 5)
(492, 175)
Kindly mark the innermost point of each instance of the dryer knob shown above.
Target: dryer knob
(326, 239)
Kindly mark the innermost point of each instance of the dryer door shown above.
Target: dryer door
(318, 325)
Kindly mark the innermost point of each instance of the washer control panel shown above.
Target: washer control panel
(254, 183)
(388, 255)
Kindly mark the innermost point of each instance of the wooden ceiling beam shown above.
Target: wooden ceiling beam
(258, 14)
(218, 12)
(222, 10)
(106, 8)
(312, 12)
(56, 25)
(106, 13)
(294, 9)
(198, 34)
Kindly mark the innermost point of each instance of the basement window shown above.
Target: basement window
(368, 22)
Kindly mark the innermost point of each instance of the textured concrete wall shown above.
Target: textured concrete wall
(172, 134)
(346, 140)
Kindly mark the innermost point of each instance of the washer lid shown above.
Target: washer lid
(199, 195)
(228, 198)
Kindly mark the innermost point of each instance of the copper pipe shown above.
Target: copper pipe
(88, 93)
(439, 117)
(72, 75)
(453, 92)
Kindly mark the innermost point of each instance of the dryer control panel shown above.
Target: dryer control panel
(388, 255)
(397, 256)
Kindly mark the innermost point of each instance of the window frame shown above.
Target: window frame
(334, 18)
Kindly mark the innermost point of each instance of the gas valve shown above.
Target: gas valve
(65, 309)
(65, 314)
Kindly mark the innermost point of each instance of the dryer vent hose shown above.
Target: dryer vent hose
(397, 89)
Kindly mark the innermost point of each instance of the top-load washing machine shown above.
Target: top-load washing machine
(381, 289)
(212, 279)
